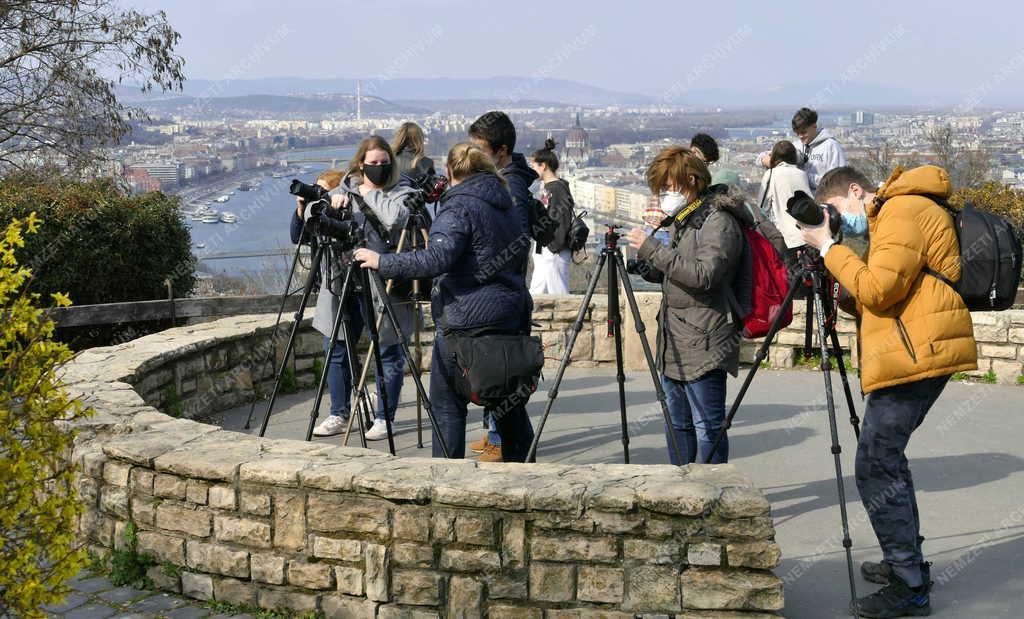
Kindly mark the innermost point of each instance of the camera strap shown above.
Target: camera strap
(371, 218)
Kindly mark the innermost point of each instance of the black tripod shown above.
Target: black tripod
(813, 276)
(616, 272)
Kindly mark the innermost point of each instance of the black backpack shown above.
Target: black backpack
(990, 259)
(578, 232)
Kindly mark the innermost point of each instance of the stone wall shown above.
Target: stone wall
(357, 533)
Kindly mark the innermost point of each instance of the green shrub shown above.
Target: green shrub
(996, 198)
(39, 508)
(989, 378)
(127, 566)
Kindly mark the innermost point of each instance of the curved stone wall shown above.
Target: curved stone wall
(357, 533)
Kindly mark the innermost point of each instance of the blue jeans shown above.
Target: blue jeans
(339, 378)
(697, 411)
(883, 474)
(450, 413)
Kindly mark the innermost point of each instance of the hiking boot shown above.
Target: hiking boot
(879, 572)
(334, 424)
(895, 599)
(479, 446)
(491, 453)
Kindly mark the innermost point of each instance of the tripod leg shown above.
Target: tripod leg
(277, 323)
(577, 326)
(838, 353)
(375, 349)
(762, 352)
(417, 325)
(615, 330)
(808, 328)
(341, 319)
(834, 432)
(641, 330)
(390, 313)
(314, 268)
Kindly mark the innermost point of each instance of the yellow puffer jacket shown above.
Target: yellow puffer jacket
(913, 326)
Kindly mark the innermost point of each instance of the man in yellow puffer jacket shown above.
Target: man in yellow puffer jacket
(914, 332)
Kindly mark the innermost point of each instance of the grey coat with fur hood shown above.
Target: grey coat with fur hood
(697, 332)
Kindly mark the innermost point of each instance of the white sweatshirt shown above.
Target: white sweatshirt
(824, 153)
(781, 183)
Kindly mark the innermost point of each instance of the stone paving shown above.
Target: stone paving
(95, 597)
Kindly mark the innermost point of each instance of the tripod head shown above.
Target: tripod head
(612, 236)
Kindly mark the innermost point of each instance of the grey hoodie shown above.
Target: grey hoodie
(389, 207)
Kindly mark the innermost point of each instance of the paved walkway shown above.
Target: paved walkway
(95, 597)
(967, 459)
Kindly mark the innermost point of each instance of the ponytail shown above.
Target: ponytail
(547, 155)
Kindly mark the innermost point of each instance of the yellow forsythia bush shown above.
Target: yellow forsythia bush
(38, 504)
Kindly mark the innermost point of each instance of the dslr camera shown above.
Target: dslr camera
(337, 224)
(805, 210)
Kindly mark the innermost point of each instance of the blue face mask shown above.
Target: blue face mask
(855, 225)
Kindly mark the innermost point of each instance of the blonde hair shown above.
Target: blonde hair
(374, 142)
(678, 164)
(331, 178)
(466, 159)
(409, 137)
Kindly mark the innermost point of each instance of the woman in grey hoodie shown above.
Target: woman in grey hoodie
(370, 191)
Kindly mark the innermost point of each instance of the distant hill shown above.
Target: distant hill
(248, 106)
(508, 89)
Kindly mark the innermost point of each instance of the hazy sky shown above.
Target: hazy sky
(635, 46)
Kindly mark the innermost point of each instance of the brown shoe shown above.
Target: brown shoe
(492, 453)
(479, 446)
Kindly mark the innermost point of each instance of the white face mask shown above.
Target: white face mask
(672, 201)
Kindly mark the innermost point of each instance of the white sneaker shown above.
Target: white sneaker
(334, 424)
(378, 431)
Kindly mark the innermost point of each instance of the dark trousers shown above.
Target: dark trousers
(697, 411)
(450, 412)
(883, 475)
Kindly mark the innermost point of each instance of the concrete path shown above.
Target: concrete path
(967, 460)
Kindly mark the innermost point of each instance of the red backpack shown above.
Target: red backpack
(761, 281)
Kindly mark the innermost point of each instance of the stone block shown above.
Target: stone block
(310, 575)
(740, 529)
(144, 511)
(252, 502)
(502, 611)
(169, 486)
(234, 591)
(758, 555)
(142, 481)
(349, 579)
(513, 542)
(737, 589)
(217, 559)
(743, 503)
(464, 597)
(116, 473)
(1017, 335)
(341, 549)
(506, 586)
(651, 588)
(417, 587)
(703, 553)
(376, 561)
(284, 599)
(196, 491)
(171, 517)
(574, 548)
(654, 552)
(996, 351)
(345, 607)
(616, 523)
(475, 529)
(679, 498)
(411, 523)
(552, 582)
(114, 500)
(289, 520)
(1007, 372)
(600, 584)
(197, 586)
(332, 513)
(459, 560)
(267, 568)
(413, 555)
(244, 531)
(222, 497)
(92, 464)
(162, 547)
(990, 334)
(164, 580)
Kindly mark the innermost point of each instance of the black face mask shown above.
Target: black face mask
(378, 174)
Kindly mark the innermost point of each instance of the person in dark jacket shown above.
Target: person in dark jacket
(410, 157)
(494, 134)
(551, 262)
(698, 340)
(476, 257)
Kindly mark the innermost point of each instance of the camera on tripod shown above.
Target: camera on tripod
(805, 210)
(337, 224)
